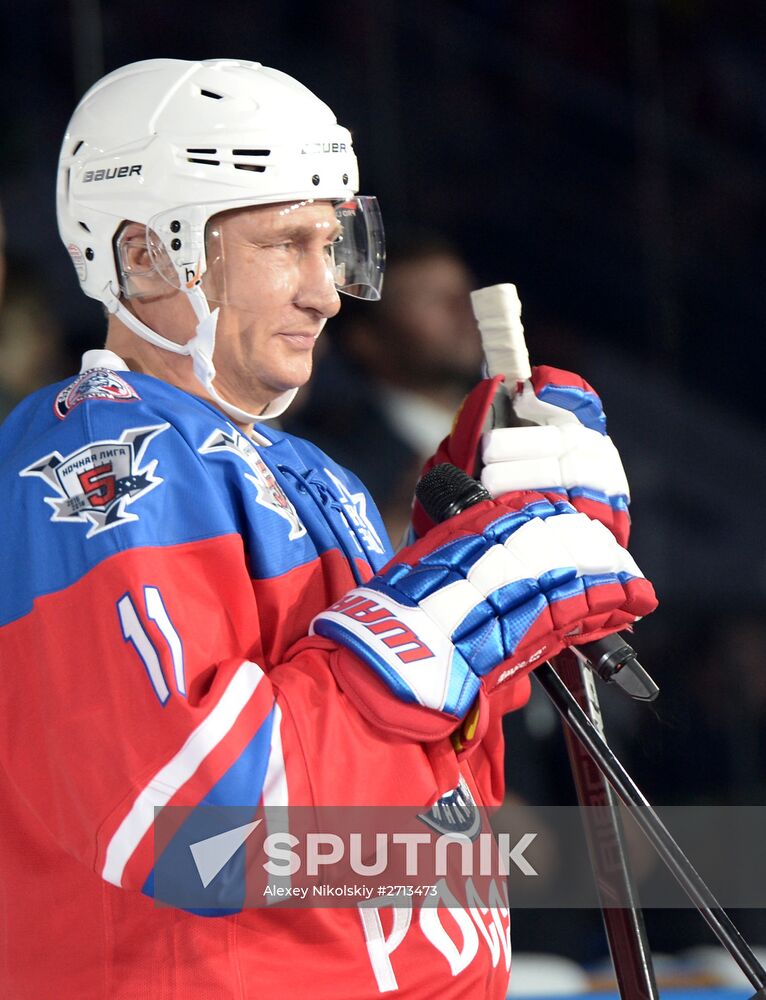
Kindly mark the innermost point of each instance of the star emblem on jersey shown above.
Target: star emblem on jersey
(269, 493)
(355, 509)
(97, 482)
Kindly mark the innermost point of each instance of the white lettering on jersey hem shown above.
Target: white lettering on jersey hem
(179, 770)
(379, 947)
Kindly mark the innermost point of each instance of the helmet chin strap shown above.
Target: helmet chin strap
(200, 349)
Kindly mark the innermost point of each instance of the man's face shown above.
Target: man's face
(270, 268)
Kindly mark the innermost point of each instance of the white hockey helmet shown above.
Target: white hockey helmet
(169, 144)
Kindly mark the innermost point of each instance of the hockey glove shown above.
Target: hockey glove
(476, 603)
(568, 451)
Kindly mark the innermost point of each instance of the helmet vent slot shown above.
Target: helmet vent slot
(210, 163)
(256, 168)
(83, 226)
(211, 94)
(209, 151)
(74, 151)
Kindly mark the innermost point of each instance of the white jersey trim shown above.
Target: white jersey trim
(275, 783)
(276, 799)
(179, 770)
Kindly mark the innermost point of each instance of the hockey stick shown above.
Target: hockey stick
(498, 313)
(574, 696)
(656, 832)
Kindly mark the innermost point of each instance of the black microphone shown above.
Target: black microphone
(445, 491)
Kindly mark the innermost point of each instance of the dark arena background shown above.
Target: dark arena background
(608, 158)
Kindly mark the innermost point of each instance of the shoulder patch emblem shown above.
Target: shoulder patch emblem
(269, 493)
(96, 383)
(96, 483)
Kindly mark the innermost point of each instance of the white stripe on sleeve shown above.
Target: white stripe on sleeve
(166, 782)
(275, 783)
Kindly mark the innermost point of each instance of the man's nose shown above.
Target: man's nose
(317, 289)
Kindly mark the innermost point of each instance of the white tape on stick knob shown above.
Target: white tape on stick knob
(498, 312)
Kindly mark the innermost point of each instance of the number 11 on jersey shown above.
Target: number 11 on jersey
(134, 631)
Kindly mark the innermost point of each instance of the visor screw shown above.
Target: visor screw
(315, 179)
(89, 253)
(175, 244)
(345, 178)
(175, 225)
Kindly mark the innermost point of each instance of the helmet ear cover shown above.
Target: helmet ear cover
(141, 273)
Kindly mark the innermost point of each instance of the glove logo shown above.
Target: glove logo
(381, 622)
(96, 483)
(269, 493)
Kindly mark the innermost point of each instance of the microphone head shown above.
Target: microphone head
(446, 490)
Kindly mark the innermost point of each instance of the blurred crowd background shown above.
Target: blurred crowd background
(606, 156)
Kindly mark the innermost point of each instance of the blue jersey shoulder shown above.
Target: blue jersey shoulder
(89, 468)
(102, 474)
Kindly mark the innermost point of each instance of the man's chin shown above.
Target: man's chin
(279, 387)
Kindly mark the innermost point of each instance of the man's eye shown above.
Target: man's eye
(284, 245)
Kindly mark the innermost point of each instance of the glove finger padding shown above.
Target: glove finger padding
(555, 396)
(483, 597)
(567, 451)
(581, 464)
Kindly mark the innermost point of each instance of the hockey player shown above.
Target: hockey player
(198, 610)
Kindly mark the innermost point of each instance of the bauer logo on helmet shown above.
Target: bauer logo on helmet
(109, 174)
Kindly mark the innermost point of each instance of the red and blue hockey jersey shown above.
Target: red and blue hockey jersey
(161, 571)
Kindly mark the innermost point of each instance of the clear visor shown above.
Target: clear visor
(311, 248)
(359, 253)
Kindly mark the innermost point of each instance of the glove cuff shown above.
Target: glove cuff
(375, 702)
